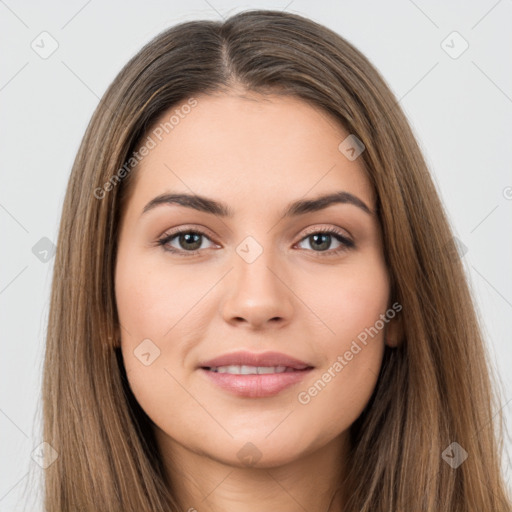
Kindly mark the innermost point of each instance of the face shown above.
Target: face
(296, 301)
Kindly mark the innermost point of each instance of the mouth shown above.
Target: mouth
(254, 375)
(251, 370)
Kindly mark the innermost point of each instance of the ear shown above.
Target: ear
(394, 332)
(114, 337)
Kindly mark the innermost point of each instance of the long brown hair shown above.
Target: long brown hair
(434, 389)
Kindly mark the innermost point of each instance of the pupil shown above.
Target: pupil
(324, 244)
(188, 237)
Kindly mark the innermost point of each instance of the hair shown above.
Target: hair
(436, 387)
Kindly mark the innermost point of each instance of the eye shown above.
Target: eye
(189, 241)
(321, 239)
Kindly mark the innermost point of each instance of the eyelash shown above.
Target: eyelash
(347, 244)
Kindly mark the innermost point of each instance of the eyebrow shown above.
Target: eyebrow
(296, 208)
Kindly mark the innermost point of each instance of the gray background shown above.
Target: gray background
(460, 110)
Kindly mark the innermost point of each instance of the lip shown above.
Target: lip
(255, 386)
(255, 359)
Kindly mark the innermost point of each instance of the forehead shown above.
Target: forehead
(248, 149)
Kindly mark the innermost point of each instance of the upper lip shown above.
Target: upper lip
(243, 358)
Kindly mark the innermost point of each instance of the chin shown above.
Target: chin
(259, 452)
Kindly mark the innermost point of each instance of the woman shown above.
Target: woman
(256, 301)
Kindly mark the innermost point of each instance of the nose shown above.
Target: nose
(258, 294)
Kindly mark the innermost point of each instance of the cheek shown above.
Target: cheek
(150, 298)
(157, 307)
(353, 347)
(150, 303)
(352, 301)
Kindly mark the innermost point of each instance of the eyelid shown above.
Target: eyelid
(205, 231)
(315, 229)
(347, 242)
(169, 235)
(186, 228)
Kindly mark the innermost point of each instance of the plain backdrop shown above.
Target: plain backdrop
(458, 101)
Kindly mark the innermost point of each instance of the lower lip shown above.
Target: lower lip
(256, 386)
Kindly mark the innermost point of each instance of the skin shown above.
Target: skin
(256, 154)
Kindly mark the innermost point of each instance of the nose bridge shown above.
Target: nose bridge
(257, 292)
(253, 264)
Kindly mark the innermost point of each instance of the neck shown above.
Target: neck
(311, 482)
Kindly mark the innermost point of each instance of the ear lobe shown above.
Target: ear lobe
(114, 338)
(394, 333)
(117, 338)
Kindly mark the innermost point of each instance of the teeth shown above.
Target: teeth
(250, 370)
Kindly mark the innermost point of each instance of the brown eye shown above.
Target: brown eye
(321, 241)
(187, 240)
